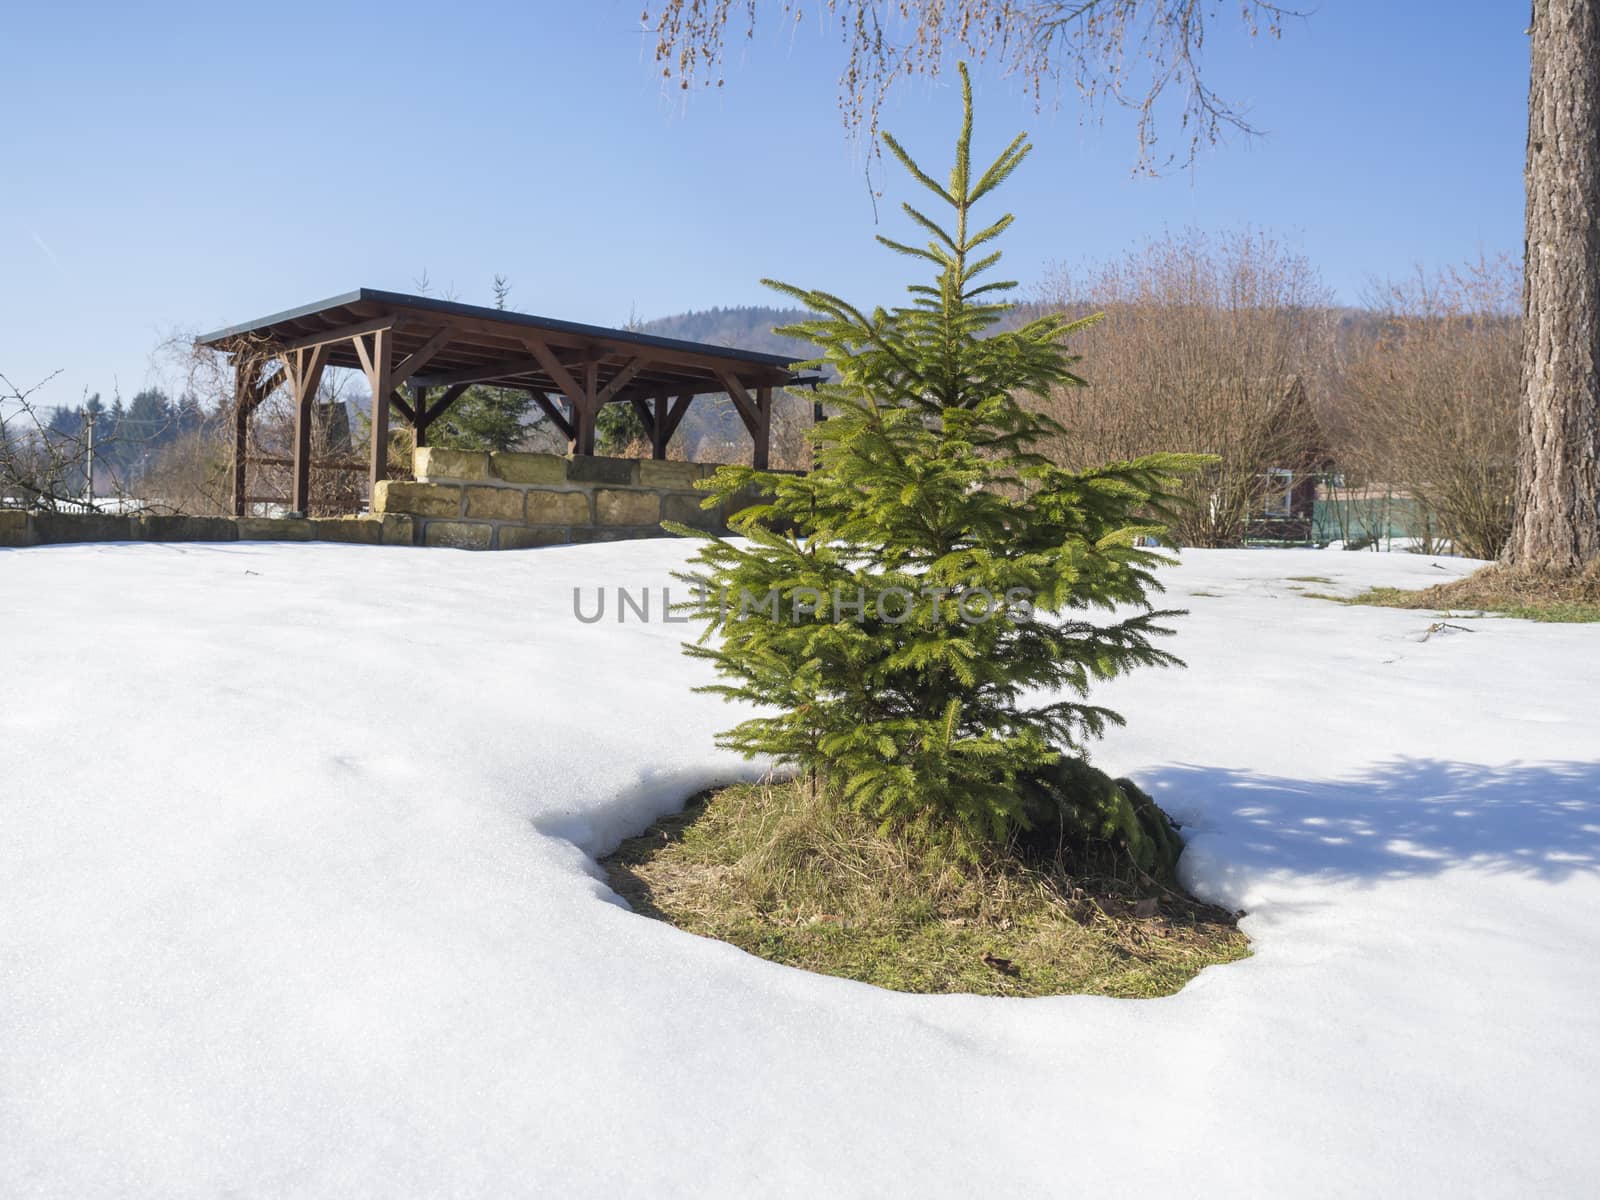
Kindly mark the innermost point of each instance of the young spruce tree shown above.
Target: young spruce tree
(908, 617)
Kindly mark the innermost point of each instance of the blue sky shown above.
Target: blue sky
(170, 166)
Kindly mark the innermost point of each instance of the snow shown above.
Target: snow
(296, 899)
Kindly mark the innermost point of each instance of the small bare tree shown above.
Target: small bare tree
(1206, 347)
(1430, 405)
(54, 464)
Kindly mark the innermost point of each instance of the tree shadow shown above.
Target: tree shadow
(1402, 819)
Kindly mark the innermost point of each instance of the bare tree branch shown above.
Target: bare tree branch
(1141, 55)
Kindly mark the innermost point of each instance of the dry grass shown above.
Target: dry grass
(1531, 595)
(781, 873)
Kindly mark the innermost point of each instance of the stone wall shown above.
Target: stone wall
(508, 501)
(495, 501)
(18, 528)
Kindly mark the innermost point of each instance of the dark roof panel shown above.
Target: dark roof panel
(512, 321)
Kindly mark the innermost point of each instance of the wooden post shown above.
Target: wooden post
(248, 392)
(587, 410)
(674, 415)
(380, 367)
(755, 413)
(305, 376)
(763, 431)
(419, 406)
(242, 391)
(659, 433)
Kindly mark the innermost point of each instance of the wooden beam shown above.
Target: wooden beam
(510, 373)
(741, 400)
(342, 333)
(557, 370)
(261, 390)
(422, 355)
(652, 412)
(647, 416)
(620, 380)
(419, 417)
(487, 373)
(364, 355)
(674, 416)
(406, 411)
(380, 380)
(435, 411)
(557, 417)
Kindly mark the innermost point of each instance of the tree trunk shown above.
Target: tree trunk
(1557, 523)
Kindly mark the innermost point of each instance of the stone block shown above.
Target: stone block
(276, 529)
(614, 506)
(154, 527)
(668, 474)
(399, 531)
(528, 468)
(618, 533)
(521, 537)
(460, 535)
(433, 462)
(14, 528)
(360, 531)
(685, 509)
(416, 499)
(584, 469)
(53, 528)
(558, 508)
(494, 503)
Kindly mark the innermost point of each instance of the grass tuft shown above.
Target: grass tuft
(779, 871)
(1508, 591)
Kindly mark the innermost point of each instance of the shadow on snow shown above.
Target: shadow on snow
(1405, 818)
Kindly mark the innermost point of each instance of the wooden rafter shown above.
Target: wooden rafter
(423, 354)
(647, 416)
(486, 373)
(451, 395)
(259, 391)
(621, 380)
(557, 417)
(674, 417)
(741, 399)
(364, 355)
(342, 334)
(555, 369)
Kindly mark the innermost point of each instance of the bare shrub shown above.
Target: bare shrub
(1206, 346)
(59, 459)
(1431, 403)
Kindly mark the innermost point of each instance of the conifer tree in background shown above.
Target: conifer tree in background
(485, 418)
(868, 615)
(618, 426)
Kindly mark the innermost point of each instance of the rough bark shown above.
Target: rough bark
(1557, 523)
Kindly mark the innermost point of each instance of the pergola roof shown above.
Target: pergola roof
(420, 355)
(468, 343)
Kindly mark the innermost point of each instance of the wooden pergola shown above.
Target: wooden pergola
(420, 355)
